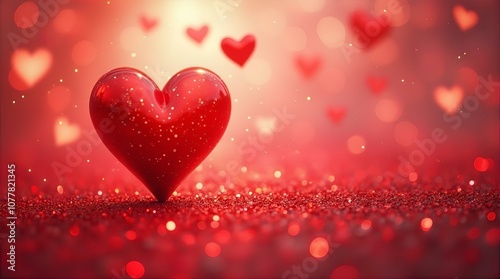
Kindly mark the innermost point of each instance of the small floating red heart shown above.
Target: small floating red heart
(148, 23)
(238, 52)
(336, 114)
(308, 66)
(377, 84)
(160, 135)
(368, 28)
(197, 34)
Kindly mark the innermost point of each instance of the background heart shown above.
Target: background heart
(65, 133)
(238, 51)
(160, 136)
(369, 29)
(465, 19)
(449, 99)
(197, 34)
(31, 67)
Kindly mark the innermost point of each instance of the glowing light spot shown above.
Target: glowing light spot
(293, 229)
(311, 6)
(388, 110)
(426, 224)
(74, 230)
(84, 52)
(319, 247)
(331, 178)
(170, 225)
(212, 249)
(331, 32)
(471, 183)
(294, 38)
(481, 164)
(135, 269)
(413, 176)
(277, 174)
(491, 216)
(60, 189)
(99, 193)
(199, 185)
(130, 235)
(366, 225)
(216, 218)
(356, 144)
(405, 133)
(117, 191)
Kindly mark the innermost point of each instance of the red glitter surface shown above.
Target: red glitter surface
(363, 140)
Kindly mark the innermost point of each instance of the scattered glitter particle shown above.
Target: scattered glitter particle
(277, 174)
(60, 189)
(170, 225)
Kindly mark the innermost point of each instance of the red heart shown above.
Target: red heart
(336, 114)
(148, 23)
(377, 84)
(197, 34)
(160, 136)
(368, 28)
(240, 51)
(308, 65)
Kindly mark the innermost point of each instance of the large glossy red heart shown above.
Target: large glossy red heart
(160, 135)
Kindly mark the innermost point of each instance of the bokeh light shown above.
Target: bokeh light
(26, 15)
(331, 32)
(135, 269)
(319, 247)
(356, 144)
(65, 21)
